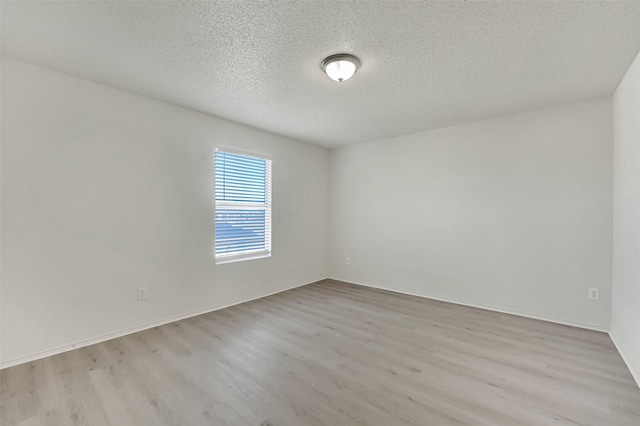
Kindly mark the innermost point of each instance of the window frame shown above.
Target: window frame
(231, 205)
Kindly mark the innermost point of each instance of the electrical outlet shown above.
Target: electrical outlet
(594, 293)
(348, 261)
(142, 293)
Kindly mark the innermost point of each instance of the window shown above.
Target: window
(243, 206)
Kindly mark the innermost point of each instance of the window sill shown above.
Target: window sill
(241, 257)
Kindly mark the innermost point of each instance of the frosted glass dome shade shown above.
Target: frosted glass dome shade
(340, 67)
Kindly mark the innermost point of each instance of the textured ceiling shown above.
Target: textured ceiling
(424, 64)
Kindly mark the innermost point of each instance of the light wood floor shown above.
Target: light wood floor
(332, 354)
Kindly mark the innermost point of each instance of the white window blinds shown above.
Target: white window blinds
(243, 206)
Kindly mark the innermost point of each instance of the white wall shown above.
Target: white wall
(512, 213)
(625, 322)
(104, 191)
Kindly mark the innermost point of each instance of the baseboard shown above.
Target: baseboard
(113, 335)
(562, 321)
(635, 370)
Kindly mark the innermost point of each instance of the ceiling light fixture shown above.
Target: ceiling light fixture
(340, 67)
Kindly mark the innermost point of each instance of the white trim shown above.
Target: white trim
(221, 259)
(247, 153)
(233, 205)
(108, 336)
(635, 370)
(562, 321)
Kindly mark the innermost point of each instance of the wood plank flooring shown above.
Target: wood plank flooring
(332, 354)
